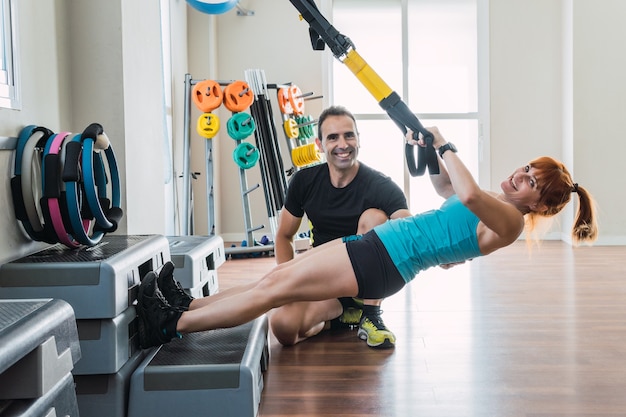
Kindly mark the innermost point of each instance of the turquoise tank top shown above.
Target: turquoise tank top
(432, 238)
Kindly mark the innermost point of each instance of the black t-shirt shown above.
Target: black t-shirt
(334, 212)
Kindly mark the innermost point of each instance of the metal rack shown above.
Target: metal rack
(243, 181)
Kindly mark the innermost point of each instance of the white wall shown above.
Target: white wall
(599, 107)
(557, 89)
(525, 87)
(44, 74)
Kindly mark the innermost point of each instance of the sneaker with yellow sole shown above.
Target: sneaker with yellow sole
(373, 330)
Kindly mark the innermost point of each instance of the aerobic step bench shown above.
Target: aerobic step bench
(100, 283)
(214, 373)
(38, 349)
(196, 259)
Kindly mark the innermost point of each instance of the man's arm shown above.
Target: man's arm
(288, 226)
(400, 213)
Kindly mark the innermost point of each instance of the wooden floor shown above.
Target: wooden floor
(514, 334)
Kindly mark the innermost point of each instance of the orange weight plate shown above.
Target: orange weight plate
(296, 99)
(283, 101)
(238, 96)
(207, 95)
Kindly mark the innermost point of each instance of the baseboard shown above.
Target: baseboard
(239, 237)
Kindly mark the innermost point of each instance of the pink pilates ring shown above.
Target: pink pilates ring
(54, 207)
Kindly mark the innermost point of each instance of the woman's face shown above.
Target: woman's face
(521, 188)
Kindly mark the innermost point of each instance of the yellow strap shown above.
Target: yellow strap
(368, 77)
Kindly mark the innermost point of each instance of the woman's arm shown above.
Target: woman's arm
(503, 222)
(441, 182)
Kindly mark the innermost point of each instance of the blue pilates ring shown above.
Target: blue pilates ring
(212, 6)
(106, 212)
(26, 211)
(78, 211)
(25, 133)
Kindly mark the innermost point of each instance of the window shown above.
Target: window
(9, 86)
(427, 52)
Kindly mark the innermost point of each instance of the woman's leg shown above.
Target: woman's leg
(320, 274)
(201, 302)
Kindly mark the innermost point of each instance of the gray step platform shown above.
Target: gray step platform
(203, 289)
(196, 259)
(106, 395)
(38, 346)
(60, 401)
(214, 373)
(106, 344)
(98, 282)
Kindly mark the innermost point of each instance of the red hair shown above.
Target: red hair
(555, 189)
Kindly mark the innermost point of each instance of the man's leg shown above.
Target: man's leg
(295, 322)
(371, 327)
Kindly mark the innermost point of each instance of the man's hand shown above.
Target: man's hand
(450, 265)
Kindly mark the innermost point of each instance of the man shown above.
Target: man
(340, 197)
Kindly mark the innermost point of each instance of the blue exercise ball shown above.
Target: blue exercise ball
(213, 6)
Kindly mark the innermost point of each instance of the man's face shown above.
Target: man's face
(340, 141)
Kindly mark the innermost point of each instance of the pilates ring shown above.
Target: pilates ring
(106, 212)
(212, 6)
(31, 140)
(53, 203)
(16, 182)
(31, 181)
(78, 211)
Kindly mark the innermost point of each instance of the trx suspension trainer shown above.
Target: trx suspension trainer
(322, 32)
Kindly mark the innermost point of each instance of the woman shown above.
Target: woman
(470, 223)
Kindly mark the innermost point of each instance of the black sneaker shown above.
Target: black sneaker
(171, 289)
(157, 318)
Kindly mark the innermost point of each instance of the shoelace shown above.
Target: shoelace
(164, 304)
(377, 321)
(178, 289)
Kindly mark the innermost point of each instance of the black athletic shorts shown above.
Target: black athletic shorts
(376, 274)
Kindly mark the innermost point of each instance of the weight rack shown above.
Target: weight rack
(187, 226)
(187, 174)
(273, 173)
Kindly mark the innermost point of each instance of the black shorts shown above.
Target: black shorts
(376, 274)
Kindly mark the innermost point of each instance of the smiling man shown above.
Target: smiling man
(341, 197)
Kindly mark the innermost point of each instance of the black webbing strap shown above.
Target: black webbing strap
(402, 116)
